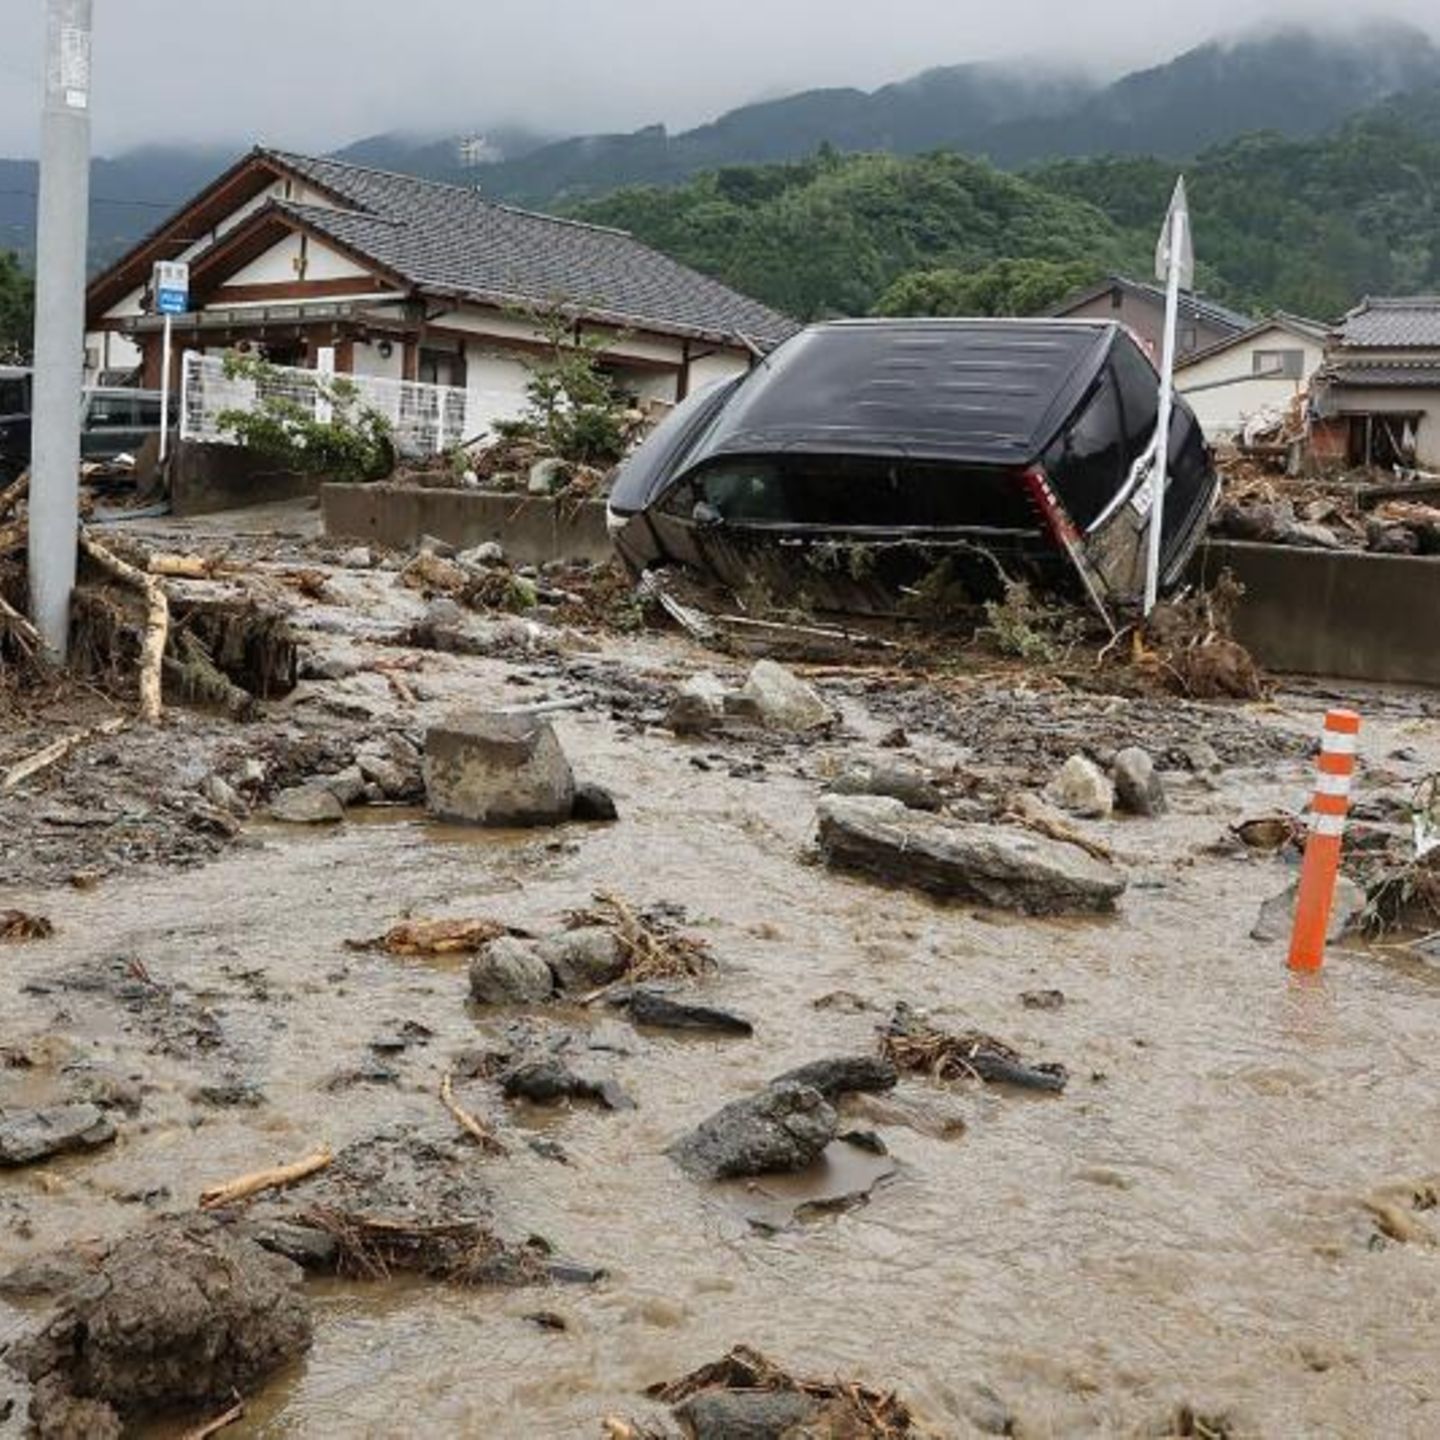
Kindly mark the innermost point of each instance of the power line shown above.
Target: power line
(102, 200)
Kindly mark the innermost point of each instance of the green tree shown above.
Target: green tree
(1003, 287)
(17, 309)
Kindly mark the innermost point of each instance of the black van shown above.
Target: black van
(860, 454)
(114, 421)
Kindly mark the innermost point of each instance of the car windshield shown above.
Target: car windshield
(860, 492)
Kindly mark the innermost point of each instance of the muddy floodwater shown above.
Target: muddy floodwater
(1183, 1228)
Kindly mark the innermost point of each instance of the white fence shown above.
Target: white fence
(424, 419)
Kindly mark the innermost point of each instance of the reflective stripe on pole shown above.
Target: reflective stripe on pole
(1322, 846)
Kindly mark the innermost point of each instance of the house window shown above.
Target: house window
(1278, 364)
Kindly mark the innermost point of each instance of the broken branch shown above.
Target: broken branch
(466, 1121)
(56, 751)
(247, 1185)
(219, 1423)
(27, 635)
(157, 622)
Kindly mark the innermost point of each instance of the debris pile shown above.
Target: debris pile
(911, 1043)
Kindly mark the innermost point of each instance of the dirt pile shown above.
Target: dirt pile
(177, 1316)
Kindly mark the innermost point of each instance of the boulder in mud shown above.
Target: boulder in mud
(30, 1135)
(785, 1127)
(175, 1316)
(584, 959)
(780, 700)
(698, 706)
(1138, 787)
(1081, 788)
(594, 804)
(497, 768)
(649, 1006)
(746, 1414)
(1276, 920)
(508, 971)
(905, 783)
(844, 1075)
(1011, 869)
(309, 804)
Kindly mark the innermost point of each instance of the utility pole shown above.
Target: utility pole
(60, 319)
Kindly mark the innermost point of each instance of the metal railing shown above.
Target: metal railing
(424, 419)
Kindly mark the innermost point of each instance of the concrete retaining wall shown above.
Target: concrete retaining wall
(1327, 612)
(205, 478)
(533, 530)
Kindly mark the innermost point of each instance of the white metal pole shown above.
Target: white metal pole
(1162, 443)
(165, 391)
(60, 319)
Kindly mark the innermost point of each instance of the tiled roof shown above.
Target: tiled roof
(450, 239)
(1404, 374)
(1393, 324)
(1192, 306)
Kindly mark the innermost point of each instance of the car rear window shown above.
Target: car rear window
(12, 397)
(858, 492)
(110, 412)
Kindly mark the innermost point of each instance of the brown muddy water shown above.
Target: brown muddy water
(1183, 1226)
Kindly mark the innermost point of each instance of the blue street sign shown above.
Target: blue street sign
(171, 284)
(171, 302)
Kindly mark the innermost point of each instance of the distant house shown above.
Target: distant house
(1141, 308)
(1376, 399)
(414, 280)
(1261, 369)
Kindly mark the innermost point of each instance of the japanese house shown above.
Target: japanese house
(412, 279)
(1141, 309)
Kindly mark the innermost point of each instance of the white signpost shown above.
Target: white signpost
(1175, 265)
(171, 286)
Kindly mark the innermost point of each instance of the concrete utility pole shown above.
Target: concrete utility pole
(60, 318)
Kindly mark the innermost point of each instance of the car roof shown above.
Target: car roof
(974, 391)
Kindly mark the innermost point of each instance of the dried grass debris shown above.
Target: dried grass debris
(654, 949)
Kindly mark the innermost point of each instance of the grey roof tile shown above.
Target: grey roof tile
(1399, 323)
(451, 239)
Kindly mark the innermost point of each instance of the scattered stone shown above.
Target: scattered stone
(780, 700)
(358, 558)
(785, 1127)
(508, 971)
(544, 1080)
(396, 781)
(584, 959)
(218, 791)
(698, 707)
(1082, 789)
(498, 769)
(184, 1313)
(1201, 757)
(867, 1140)
(648, 1006)
(1138, 787)
(894, 739)
(1042, 999)
(230, 1095)
(327, 667)
(481, 556)
(1277, 914)
(594, 804)
(92, 1083)
(310, 804)
(844, 1075)
(905, 783)
(433, 545)
(1002, 866)
(348, 786)
(30, 1135)
(747, 1414)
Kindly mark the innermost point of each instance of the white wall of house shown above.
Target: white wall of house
(706, 369)
(1227, 388)
(282, 265)
(369, 361)
(496, 383)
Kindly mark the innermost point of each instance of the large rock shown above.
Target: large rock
(30, 1135)
(584, 959)
(311, 804)
(747, 1414)
(1010, 868)
(844, 1075)
(780, 700)
(1138, 787)
(510, 972)
(180, 1314)
(698, 706)
(784, 1127)
(906, 783)
(1277, 915)
(1081, 788)
(497, 768)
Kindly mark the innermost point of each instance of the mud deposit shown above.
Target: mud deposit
(1179, 1239)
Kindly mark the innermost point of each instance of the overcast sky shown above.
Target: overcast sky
(318, 73)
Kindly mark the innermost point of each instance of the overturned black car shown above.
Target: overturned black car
(863, 456)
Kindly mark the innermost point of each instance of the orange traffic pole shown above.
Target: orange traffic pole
(1322, 846)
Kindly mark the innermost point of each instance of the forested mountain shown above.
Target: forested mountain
(1304, 225)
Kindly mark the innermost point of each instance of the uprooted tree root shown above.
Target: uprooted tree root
(846, 1407)
(1188, 645)
(463, 1252)
(653, 949)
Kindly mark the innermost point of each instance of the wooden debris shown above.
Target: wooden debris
(157, 622)
(18, 925)
(1031, 814)
(20, 628)
(184, 567)
(56, 751)
(912, 1044)
(466, 1121)
(653, 950)
(221, 1422)
(436, 937)
(257, 1181)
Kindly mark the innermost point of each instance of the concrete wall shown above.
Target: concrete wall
(533, 530)
(205, 478)
(1324, 612)
(1224, 391)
